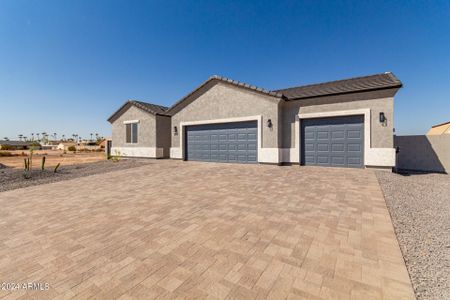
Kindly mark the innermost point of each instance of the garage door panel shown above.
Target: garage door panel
(232, 137)
(310, 147)
(252, 158)
(311, 159)
(227, 142)
(251, 136)
(335, 147)
(338, 134)
(321, 159)
(338, 160)
(354, 134)
(337, 141)
(323, 148)
(354, 161)
(310, 135)
(354, 148)
(322, 135)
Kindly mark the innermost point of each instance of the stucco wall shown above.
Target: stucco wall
(222, 101)
(146, 129)
(378, 101)
(423, 153)
(163, 133)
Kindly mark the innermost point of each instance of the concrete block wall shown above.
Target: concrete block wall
(423, 153)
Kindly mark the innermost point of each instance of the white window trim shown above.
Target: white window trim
(131, 131)
(257, 118)
(131, 121)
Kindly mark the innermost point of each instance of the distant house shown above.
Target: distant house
(439, 129)
(51, 145)
(18, 145)
(103, 143)
(88, 145)
(65, 145)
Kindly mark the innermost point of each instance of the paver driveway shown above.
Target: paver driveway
(200, 230)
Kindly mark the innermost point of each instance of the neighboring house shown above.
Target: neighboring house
(103, 143)
(344, 123)
(65, 145)
(49, 147)
(17, 145)
(439, 129)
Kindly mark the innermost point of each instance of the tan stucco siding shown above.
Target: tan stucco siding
(224, 101)
(379, 101)
(146, 129)
(438, 130)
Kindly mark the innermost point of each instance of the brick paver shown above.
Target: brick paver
(203, 230)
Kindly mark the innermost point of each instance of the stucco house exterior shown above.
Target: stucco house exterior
(140, 129)
(344, 123)
(440, 129)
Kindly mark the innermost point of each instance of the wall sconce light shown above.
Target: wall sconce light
(269, 123)
(175, 130)
(382, 117)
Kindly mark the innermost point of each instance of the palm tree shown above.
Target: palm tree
(44, 137)
(20, 137)
(91, 137)
(32, 136)
(63, 137)
(25, 138)
(38, 137)
(54, 136)
(6, 138)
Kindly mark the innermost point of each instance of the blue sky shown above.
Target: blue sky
(66, 66)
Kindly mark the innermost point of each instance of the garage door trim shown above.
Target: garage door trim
(183, 126)
(367, 126)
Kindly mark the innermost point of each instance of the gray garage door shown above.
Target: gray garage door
(333, 142)
(227, 142)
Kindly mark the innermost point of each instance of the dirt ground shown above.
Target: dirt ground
(52, 158)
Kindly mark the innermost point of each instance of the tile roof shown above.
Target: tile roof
(445, 123)
(15, 143)
(351, 85)
(148, 107)
(173, 108)
(248, 86)
(345, 86)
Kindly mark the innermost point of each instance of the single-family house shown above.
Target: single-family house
(343, 123)
(65, 145)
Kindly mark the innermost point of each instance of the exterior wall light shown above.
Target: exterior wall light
(382, 117)
(269, 123)
(175, 130)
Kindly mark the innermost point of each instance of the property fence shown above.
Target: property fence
(423, 153)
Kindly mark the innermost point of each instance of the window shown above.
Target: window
(131, 130)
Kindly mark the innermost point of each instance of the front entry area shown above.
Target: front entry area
(333, 142)
(225, 142)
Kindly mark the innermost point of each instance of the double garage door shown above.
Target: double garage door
(225, 142)
(333, 142)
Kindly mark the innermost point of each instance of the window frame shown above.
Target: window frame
(131, 129)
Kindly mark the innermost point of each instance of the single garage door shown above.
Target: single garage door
(333, 142)
(226, 142)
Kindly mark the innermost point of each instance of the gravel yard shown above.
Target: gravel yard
(419, 205)
(12, 178)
